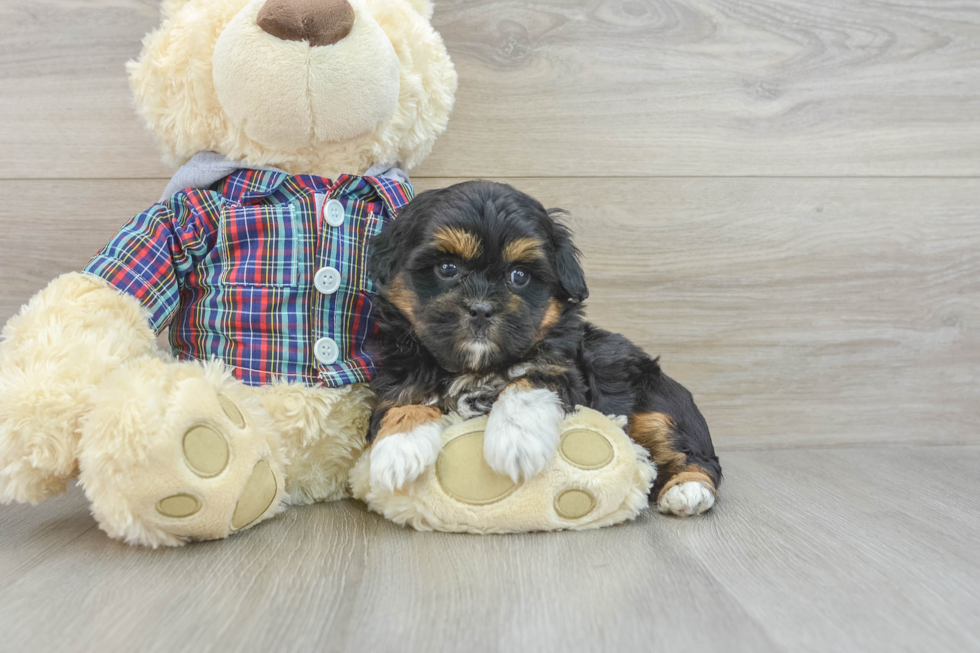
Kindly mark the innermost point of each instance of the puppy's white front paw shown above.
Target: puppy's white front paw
(401, 458)
(522, 432)
(685, 499)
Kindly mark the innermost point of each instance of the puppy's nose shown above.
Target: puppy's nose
(481, 312)
(321, 22)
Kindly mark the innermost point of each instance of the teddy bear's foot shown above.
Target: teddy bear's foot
(598, 478)
(179, 451)
(206, 453)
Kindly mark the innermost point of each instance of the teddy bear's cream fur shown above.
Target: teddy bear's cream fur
(171, 451)
(210, 80)
(83, 390)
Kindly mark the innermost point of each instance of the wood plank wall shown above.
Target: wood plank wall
(780, 197)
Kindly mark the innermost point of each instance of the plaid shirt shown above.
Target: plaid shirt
(231, 270)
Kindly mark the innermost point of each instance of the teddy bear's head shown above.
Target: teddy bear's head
(309, 86)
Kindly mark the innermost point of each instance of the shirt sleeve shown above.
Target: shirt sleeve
(152, 254)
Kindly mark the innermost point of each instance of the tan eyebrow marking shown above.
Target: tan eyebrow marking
(456, 241)
(523, 250)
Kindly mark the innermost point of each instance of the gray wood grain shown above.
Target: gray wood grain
(799, 311)
(597, 88)
(829, 326)
(808, 550)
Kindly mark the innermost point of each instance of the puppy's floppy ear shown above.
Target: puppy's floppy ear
(570, 274)
(391, 248)
(387, 252)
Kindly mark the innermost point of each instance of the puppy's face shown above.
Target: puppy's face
(480, 270)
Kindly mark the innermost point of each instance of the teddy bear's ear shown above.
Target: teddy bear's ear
(424, 7)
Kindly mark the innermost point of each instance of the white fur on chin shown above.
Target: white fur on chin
(522, 432)
(401, 458)
(477, 353)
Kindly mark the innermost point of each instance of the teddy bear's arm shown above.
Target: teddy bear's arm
(152, 253)
(82, 328)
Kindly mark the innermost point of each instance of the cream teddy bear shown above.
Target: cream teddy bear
(293, 121)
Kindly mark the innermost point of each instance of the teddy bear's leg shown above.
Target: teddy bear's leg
(173, 452)
(53, 353)
(322, 431)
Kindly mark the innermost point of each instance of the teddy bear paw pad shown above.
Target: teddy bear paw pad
(178, 506)
(258, 495)
(585, 449)
(231, 411)
(205, 451)
(574, 504)
(465, 475)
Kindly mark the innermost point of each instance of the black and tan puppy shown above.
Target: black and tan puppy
(480, 311)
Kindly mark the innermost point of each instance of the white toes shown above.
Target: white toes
(401, 458)
(685, 499)
(522, 432)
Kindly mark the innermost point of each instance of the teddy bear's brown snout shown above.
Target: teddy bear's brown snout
(321, 22)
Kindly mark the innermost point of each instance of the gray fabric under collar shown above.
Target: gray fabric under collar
(205, 168)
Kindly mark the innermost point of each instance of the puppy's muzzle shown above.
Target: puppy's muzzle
(480, 314)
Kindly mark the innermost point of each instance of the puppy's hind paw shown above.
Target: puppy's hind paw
(686, 499)
(400, 458)
(522, 432)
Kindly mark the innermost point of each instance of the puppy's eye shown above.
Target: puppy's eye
(447, 271)
(519, 277)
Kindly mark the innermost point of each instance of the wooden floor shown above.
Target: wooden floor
(779, 197)
(810, 550)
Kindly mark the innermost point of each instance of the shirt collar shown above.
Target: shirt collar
(240, 182)
(247, 186)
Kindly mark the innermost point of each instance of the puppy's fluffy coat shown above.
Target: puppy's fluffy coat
(480, 311)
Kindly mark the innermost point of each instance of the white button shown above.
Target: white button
(334, 211)
(327, 280)
(326, 351)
